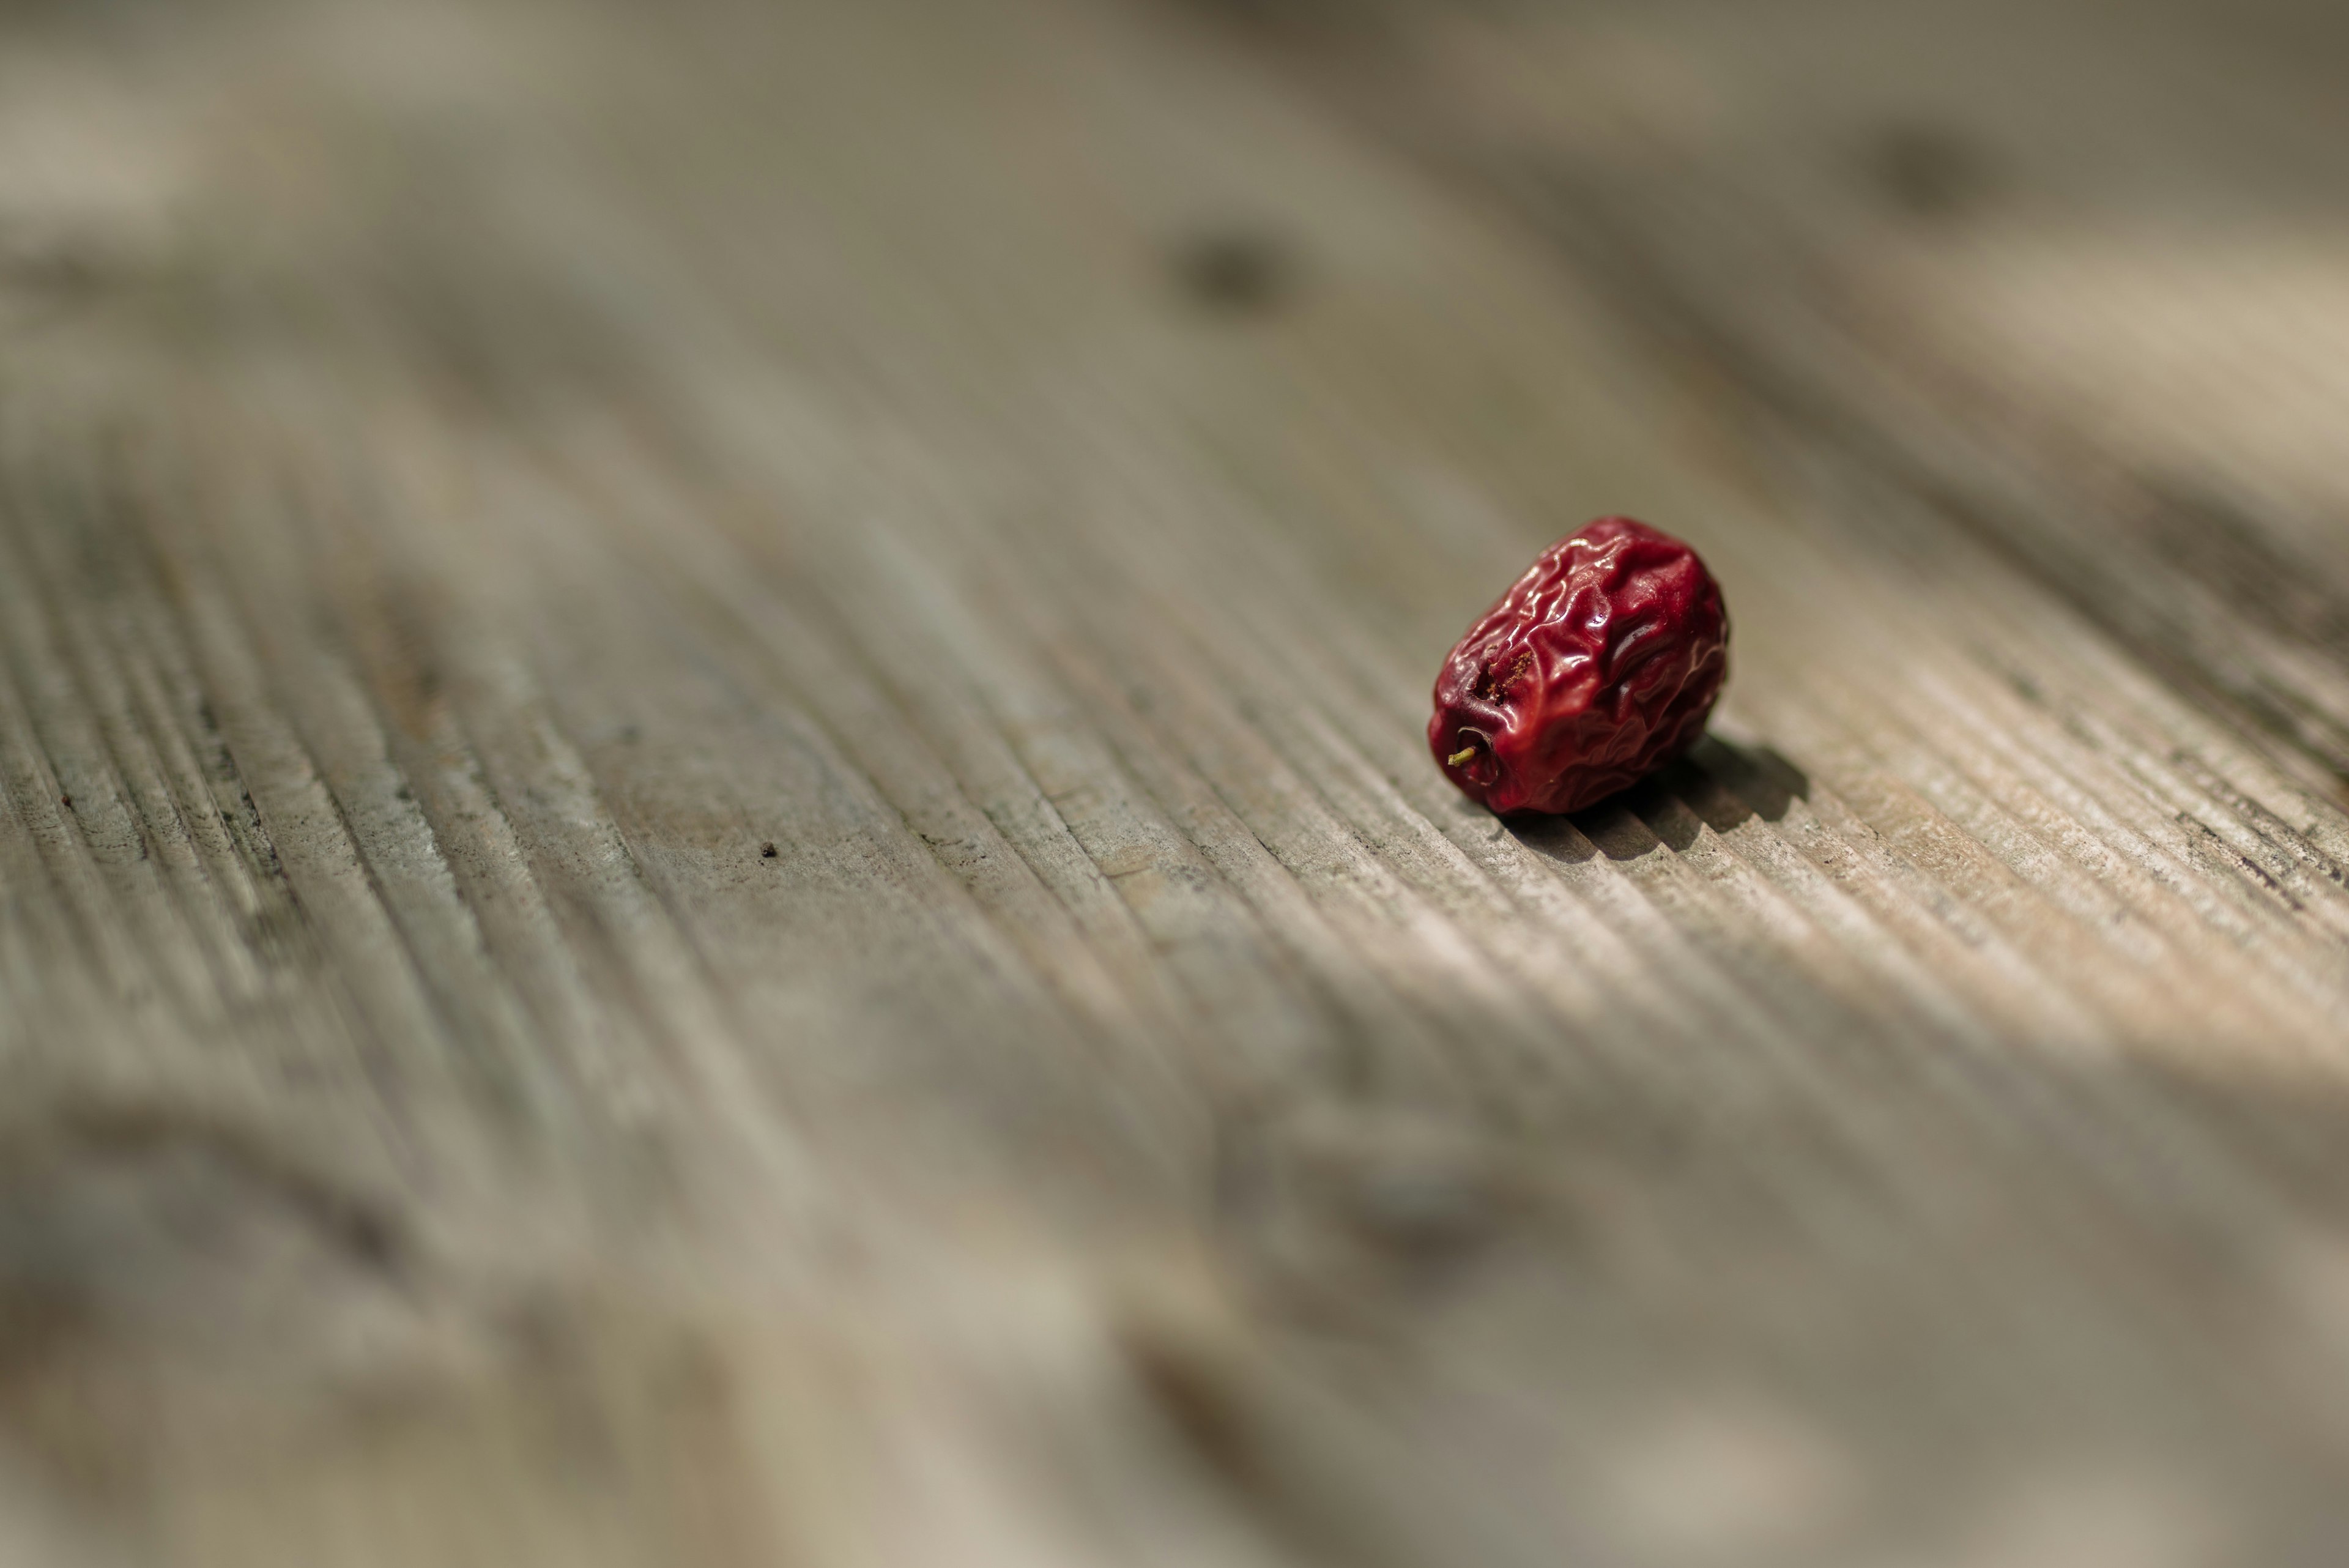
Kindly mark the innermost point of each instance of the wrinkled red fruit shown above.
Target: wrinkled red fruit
(1599, 665)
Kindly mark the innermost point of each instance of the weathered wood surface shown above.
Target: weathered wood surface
(714, 849)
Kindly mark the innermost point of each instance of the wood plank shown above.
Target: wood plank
(714, 845)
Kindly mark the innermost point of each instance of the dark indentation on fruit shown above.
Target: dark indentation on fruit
(1492, 684)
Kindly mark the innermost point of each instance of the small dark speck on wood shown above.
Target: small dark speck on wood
(1929, 170)
(1237, 272)
(766, 850)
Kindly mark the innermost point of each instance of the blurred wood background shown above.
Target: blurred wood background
(714, 847)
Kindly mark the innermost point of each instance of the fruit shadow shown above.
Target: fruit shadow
(1720, 785)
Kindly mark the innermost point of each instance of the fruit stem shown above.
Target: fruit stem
(1460, 756)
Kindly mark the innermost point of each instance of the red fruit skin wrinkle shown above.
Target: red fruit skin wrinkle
(1597, 667)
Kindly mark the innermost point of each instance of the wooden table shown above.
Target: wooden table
(715, 848)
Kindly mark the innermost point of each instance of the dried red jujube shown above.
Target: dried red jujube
(1599, 665)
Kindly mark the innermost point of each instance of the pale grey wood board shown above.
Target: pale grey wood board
(472, 479)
